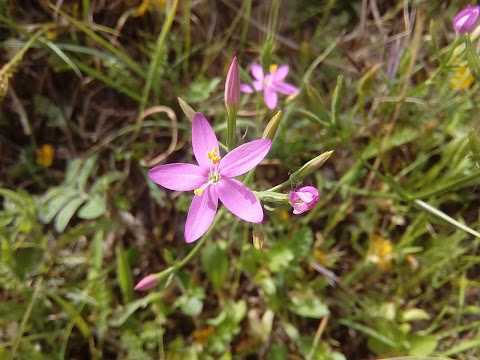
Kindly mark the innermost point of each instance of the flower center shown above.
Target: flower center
(273, 68)
(213, 175)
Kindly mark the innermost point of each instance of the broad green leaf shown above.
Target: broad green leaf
(193, 306)
(215, 264)
(57, 203)
(301, 243)
(103, 182)
(88, 166)
(73, 168)
(28, 259)
(94, 207)
(65, 215)
(277, 352)
(279, 256)
(422, 345)
(309, 307)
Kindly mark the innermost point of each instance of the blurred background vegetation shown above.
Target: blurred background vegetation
(387, 264)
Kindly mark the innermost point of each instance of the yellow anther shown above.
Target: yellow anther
(212, 155)
(198, 192)
(273, 68)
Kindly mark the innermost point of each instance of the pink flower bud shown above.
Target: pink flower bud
(147, 282)
(232, 85)
(466, 20)
(303, 199)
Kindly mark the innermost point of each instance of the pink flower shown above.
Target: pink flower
(271, 84)
(212, 179)
(147, 282)
(303, 199)
(466, 20)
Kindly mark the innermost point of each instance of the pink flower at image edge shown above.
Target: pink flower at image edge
(466, 20)
(213, 179)
(271, 84)
(303, 199)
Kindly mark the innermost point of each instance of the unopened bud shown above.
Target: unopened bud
(147, 282)
(466, 20)
(232, 85)
(258, 236)
(310, 166)
(188, 111)
(272, 126)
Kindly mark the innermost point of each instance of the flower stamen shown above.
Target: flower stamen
(212, 155)
(273, 68)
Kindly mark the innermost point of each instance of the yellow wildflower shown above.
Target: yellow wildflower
(45, 155)
(381, 253)
(462, 78)
(284, 215)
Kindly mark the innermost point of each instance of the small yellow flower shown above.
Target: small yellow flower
(321, 257)
(284, 215)
(462, 79)
(381, 253)
(45, 155)
(51, 35)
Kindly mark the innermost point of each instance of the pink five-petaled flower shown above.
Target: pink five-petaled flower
(271, 84)
(303, 199)
(466, 20)
(212, 179)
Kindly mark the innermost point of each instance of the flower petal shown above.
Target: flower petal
(280, 73)
(270, 97)
(201, 214)
(240, 200)
(307, 194)
(203, 140)
(284, 88)
(246, 88)
(244, 158)
(257, 85)
(257, 71)
(178, 176)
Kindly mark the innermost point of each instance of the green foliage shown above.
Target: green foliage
(385, 265)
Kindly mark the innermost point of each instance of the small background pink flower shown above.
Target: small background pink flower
(271, 84)
(303, 199)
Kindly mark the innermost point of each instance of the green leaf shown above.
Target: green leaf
(472, 59)
(65, 215)
(309, 307)
(215, 264)
(28, 260)
(336, 102)
(94, 208)
(280, 256)
(85, 172)
(422, 345)
(124, 275)
(74, 314)
(57, 203)
(73, 168)
(277, 352)
(302, 243)
(474, 144)
(193, 306)
(123, 315)
(200, 89)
